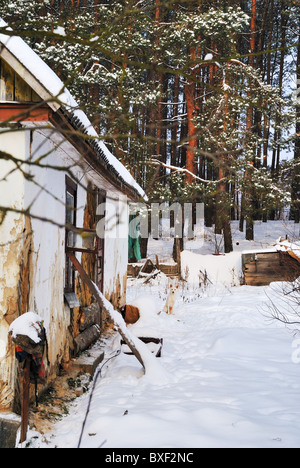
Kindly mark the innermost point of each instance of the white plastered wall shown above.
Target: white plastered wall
(116, 250)
(11, 246)
(47, 200)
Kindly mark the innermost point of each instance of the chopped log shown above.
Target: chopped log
(85, 339)
(89, 316)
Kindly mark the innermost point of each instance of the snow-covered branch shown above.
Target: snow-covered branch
(155, 162)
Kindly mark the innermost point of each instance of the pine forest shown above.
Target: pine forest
(205, 86)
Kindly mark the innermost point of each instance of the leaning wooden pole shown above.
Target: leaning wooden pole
(25, 400)
(102, 305)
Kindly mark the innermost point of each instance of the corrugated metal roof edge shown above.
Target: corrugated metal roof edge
(79, 126)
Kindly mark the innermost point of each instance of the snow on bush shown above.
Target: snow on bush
(225, 269)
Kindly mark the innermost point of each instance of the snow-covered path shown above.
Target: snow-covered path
(234, 383)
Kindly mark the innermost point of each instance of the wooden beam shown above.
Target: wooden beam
(81, 250)
(25, 400)
(102, 306)
(17, 112)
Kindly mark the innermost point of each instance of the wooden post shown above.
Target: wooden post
(25, 400)
(177, 255)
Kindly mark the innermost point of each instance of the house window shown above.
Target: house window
(13, 87)
(71, 205)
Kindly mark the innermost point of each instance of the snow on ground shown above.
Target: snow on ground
(203, 256)
(235, 382)
(266, 236)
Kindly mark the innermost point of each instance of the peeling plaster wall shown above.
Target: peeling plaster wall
(116, 251)
(12, 239)
(48, 256)
(42, 290)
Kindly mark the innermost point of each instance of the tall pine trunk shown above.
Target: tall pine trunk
(295, 208)
(249, 205)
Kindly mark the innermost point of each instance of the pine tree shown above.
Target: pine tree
(195, 84)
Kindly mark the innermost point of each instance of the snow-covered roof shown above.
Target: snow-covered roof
(52, 89)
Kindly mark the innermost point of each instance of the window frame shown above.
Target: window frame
(70, 188)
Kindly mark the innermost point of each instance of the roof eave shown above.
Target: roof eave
(83, 144)
(28, 77)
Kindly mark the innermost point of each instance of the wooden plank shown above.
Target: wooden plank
(7, 82)
(22, 90)
(270, 279)
(267, 269)
(169, 270)
(25, 400)
(267, 255)
(257, 257)
(2, 84)
(273, 261)
(20, 113)
(273, 258)
(81, 250)
(35, 97)
(265, 278)
(268, 273)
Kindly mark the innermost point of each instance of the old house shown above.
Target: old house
(65, 176)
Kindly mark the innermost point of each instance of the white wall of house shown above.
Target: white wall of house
(11, 246)
(47, 200)
(46, 196)
(116, 250)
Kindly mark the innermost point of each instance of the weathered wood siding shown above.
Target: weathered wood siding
(261, 269)
(13, 87)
